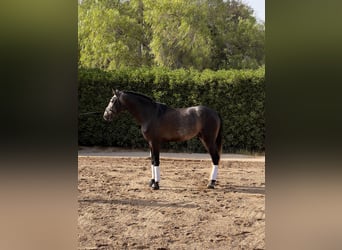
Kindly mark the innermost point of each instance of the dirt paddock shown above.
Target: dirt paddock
(117, 209)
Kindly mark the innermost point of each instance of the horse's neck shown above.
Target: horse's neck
(140, 108)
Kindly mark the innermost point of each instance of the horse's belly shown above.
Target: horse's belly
(180, 125)
(180, 134)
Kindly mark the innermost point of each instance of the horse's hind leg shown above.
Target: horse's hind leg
(214, 152)
(215, 157)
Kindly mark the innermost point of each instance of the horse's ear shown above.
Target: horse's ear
(115, 92)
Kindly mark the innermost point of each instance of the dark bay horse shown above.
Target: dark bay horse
(160, 123)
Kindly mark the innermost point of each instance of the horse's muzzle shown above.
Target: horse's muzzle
(108, 116)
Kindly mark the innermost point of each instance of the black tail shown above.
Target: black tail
(219, 137)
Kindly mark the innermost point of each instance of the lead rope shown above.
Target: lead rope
(90, 113)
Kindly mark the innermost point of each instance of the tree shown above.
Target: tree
(238, 40)
(108, 36)
(180, 33)
(198, 34)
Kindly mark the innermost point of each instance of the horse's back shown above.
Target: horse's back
(205, 113)
(184, 123)
(195, 114)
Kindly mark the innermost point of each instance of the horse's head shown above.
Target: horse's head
(114, 106)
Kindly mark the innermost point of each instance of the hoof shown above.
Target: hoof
(155, 186)
(211, 185)
(151, 183)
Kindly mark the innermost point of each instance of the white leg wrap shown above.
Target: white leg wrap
(152, 170)
(213, 174)
(156, 173)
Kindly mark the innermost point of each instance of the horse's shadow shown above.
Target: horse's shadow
(221, 188)
(140, 202)
(160, 203)
(243, 189)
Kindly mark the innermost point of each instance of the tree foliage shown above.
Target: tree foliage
(198, 34)
(110, 36)
(180, 33)
(238, 38)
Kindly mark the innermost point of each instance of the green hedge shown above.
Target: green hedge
(238, 95)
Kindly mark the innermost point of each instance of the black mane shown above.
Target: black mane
(162, 108)
(140, 95)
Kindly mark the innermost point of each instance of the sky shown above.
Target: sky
(258, 6)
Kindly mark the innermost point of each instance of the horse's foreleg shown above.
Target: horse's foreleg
(154, 153)
(152, 167)
(156, 169)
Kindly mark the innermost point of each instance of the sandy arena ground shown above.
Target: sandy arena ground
(117, 209)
